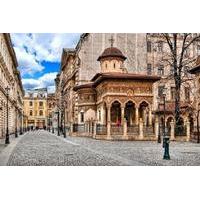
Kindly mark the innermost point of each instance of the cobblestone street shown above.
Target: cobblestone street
(44, 148)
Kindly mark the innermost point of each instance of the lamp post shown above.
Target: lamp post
(159, 138)
(58, 119)
(166, 155)
(21, 131)
(16, 135)
(7, 141)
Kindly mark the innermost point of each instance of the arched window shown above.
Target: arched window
(30, 103)
(114, 65)
(31, 112)
(41, 113)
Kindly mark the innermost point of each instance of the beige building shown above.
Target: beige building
(10, 78)
(145, 54)
(36, 108)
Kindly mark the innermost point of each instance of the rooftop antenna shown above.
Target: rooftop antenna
(111, 41)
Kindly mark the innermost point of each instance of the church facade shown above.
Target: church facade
(81, 70)
(116, 104)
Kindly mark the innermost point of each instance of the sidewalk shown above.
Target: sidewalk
(6, 150)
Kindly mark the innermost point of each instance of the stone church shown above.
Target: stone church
(107, 81)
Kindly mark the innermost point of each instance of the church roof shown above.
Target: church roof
(111, 52)
(128, 76)
(99, 77)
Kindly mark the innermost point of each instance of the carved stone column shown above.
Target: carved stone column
(122, 114)
(188, 131)
(172, 135)
(95, 129)
(136, 115)
(141, 134)
(156, 127)
(125, 136)
(108, 123)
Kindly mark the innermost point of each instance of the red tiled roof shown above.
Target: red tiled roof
(117, 75)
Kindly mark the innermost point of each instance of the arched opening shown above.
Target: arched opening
(116, 113)
(130, 113)
(143, 112)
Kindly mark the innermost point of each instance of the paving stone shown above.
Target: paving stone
(44, 148)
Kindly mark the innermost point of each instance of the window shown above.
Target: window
(114, 65)
(30, 103)
(161, 70)
(41, 113)
(149, 69)
(187, 93)
(160, 46)
(40, 103)
(173, 93)
(31, 112)
(160, 90)
(149, 46)
(82, 116)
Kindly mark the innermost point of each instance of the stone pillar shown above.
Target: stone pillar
(136, 115)
(95, 129)
(141, 134)
(125, 136)
(188, 131)
(156, 127)
(108, 123)
(172, 135)
(150, 117)
(122, 115)
(71, 127)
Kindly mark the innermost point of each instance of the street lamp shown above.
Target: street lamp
(21, 131)
(16, 135)
(7, 141)
(165, 135)
(58, 119)
(159, 138)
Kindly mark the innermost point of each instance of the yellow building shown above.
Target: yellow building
(35, 108)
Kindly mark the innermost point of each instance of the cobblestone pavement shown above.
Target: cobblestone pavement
(44, 148)
(144, 152)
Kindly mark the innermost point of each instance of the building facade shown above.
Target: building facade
(145, 56)
(10, 78)
(36, 108)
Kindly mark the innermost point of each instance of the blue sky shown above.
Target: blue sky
(39, 56)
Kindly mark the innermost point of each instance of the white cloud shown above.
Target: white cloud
(32, 49)
(47, 80)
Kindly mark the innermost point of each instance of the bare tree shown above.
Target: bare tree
(177, 58)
